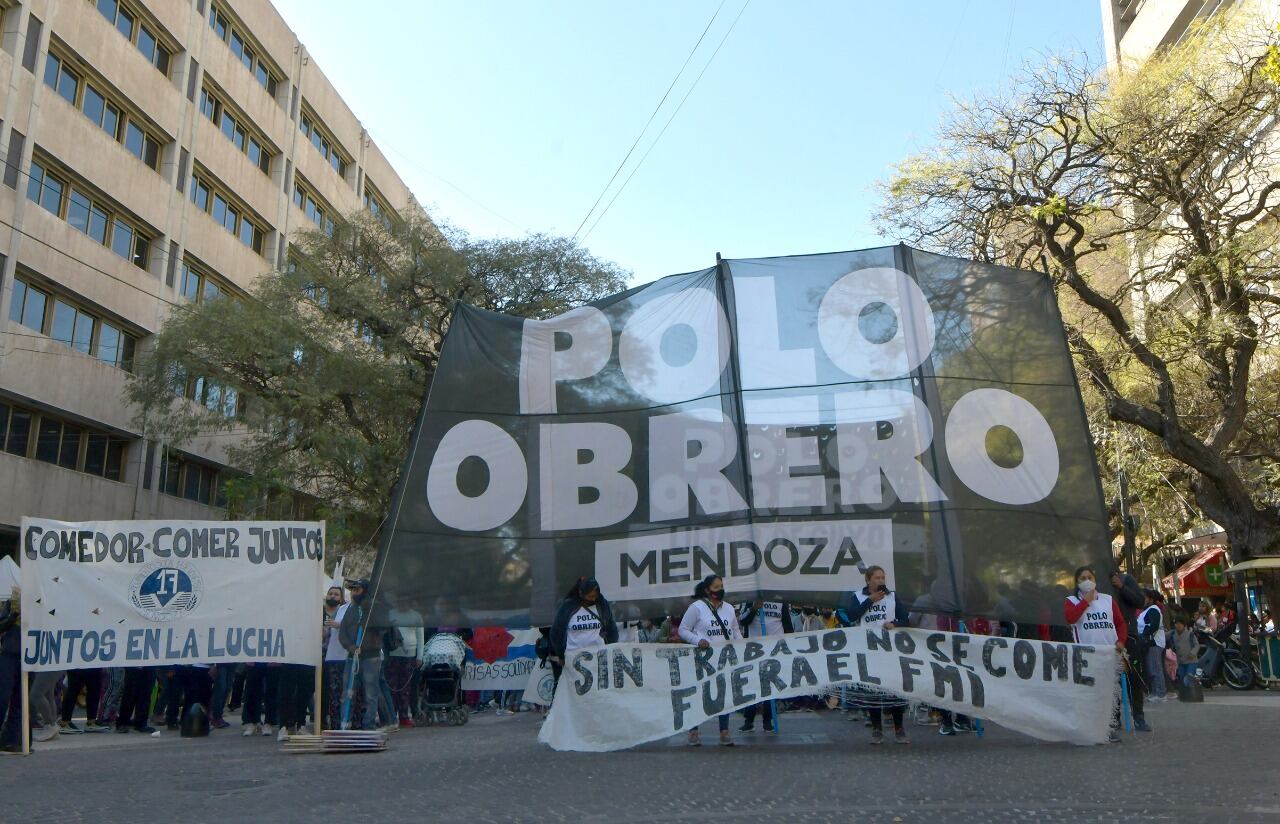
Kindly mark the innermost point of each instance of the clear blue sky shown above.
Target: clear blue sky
(506, 117)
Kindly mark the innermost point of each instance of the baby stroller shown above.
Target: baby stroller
(442, 680)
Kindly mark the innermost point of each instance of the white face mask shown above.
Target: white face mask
(1086, 586)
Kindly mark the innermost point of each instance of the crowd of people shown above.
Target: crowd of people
(383, 661)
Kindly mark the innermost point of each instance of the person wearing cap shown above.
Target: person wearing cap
(366, 647)
(584, 619)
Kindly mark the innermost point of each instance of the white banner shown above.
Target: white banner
(614, 697)
(541, 686)
(147, 593)
(499, 659)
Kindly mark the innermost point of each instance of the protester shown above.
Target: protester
(221, 674)
(335, 658)
(88, 681)
(403, 661)
(762, 619)
(650, 631)
(1206, 621)
(1151, 637)
(584, 619)
(135, 700)
(1095, 620)
(710, 619)
(297, 683)
(1187, 647)
(261, 699)
(366, 646)
(11, 673)
(1129, 598)
(876, 605)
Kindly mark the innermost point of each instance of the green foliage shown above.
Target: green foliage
(334, 353)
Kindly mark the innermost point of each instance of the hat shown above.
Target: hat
(353, 583)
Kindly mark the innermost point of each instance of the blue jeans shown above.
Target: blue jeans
(371, 689)
(1187, 669)
(221, 686)
(1154, 658)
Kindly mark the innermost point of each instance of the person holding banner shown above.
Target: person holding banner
(584, 619)
(876, 605)
(710, 619)
(763, 619)
(1095, 620)
(361, 637)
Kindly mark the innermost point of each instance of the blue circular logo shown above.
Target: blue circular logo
(163, 592)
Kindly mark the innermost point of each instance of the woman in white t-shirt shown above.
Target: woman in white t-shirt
(710, 620)
(584, 619)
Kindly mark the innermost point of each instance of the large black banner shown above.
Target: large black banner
(782, 422)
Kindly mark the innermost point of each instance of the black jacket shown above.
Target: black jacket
(560, 627)
(10, 630)
(1130, 599)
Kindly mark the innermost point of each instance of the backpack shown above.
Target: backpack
(391, 640)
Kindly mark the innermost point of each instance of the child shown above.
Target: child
(1186, 647)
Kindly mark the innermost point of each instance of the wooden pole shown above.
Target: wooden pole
(317, 724)
(26, 711)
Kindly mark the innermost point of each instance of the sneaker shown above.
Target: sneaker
(46, 733)
(121, 729)
(770, 731)
(266, 729)
(877, 737)
(406, 723)
(946, 729)
(66, 727)
(147, 730)
(251, 729)
(218, 724)
(390, 727)
(900, 735)
(1113, 737)
(283, 735)
(1141, 725)
(963, 726)
(746, 728)
(501, 712)
(479, 708)
(96, 726)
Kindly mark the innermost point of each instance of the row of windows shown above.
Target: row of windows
(325, 145)
(98, 107)
(210, 199)
(198, 286)
(67, 201)
(184, 478)
(310, 205)
(126, 22)
(377, 206)
(67, 323)
(235, 131)
(30, 434)
(224, 400)
(232, 37)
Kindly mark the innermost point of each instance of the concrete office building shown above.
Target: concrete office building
(156, 151)
(1133, 29)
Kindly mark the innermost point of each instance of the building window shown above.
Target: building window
(237, 41)
(61, 79)
(213, 201)
(71, 325)
(324, 144)
(311, 207)
(197, 285)
(27, 306)
(61, 442)
(377, 206)
(141, 35)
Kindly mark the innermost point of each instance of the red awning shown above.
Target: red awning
(1203, 576)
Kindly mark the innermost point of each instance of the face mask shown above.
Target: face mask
(333, 602)
(1086, 586)
(716, 594)
(808, 610)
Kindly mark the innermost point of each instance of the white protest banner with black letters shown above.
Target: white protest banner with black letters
(614, 697)
(148, 593)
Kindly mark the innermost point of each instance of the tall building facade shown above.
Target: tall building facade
(155, 152)
(1133, 29)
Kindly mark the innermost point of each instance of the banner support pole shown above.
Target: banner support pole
(26, 711)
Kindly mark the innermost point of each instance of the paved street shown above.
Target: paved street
(819, 769)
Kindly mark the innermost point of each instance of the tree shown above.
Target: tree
(1149, 198)
(330, 357)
